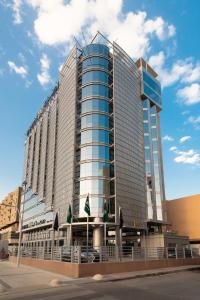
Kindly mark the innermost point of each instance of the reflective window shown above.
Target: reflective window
(95, 169)
(36, 210)
(154, 133)
(95, 120)
(152, 82)
(153, 120)
(146, 128)
(146, 140)
(95, 76)
(151, 94)
(155, 145)
(95, 105)
(95, 152)
(95, 90)
(32, 201)
(95, 136)
(96, 206)
(148, 168)
(94, 186)
(96, 49)
(155, 158)
(159, 214)
(146, 103)
(44, 218)
(153, 110)
(147, 154)
(95, 62)
(157, 185)
(145, 115)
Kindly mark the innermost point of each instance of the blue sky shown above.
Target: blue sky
(35, 37)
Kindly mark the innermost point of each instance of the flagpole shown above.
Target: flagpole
(104, 234)
(52, 246)
(87, 233)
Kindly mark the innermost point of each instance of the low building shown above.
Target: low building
(183, 216)
(9, 217)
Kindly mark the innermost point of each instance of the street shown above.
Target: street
(184, 285)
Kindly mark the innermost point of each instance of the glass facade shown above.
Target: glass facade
(153, 161)
(34, 211)
(95, 105)
(151, 88)
(95, 154)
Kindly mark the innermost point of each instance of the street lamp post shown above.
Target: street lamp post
(20, 225)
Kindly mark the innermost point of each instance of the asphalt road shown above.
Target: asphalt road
(182, 286)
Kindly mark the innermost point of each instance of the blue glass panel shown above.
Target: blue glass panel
(146, 140)
(151, 94)
(95, 136)
(95, 152)
(95, 169)
(152, 83)
(95, 90)
(154, 133)
(96, 49)
(95, 105)
(145, 115)
(99, 62)
(147, 154)
(95, 76)
(95, 120)
(94, 186)
(146, 128)
(36, 210)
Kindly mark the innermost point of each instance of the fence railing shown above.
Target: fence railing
(81, 254)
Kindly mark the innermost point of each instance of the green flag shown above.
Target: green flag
(105, 212)
(87, 205)
(69, 215)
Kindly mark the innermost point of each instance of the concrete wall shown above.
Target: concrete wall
(84, 270)
(183, 215)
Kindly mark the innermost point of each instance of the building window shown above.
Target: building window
(95, 105)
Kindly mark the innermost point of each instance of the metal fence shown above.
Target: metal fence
(81, 254)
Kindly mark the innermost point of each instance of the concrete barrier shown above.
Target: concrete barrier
(90, 269)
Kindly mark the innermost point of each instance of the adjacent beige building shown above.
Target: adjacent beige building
(184, 217)
(9, 217)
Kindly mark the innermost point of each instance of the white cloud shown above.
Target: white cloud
(185, 139)
(173, 148)
(44, 77)
(168, 138)
(184, 71)
(189, 95)
(16, 7)
(58, 21)
(22, 70)
(195, 121)
(188, 157)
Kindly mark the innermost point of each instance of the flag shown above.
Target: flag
(121, 220)
(69, 214)
(87, 205)
(55, 223)
(105, 212)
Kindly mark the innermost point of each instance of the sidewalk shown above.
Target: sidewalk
(27, 278)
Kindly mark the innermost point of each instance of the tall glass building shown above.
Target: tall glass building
(97, 136)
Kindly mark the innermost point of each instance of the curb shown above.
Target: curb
(153, 274)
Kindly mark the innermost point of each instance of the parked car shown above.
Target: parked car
(171, 253)
(90, 255)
